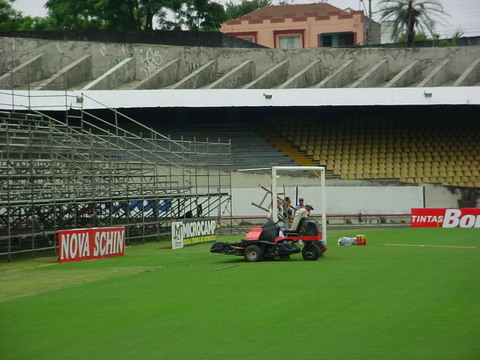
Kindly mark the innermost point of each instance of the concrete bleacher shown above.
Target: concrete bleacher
(252, 150)
(58, 64)
(249, 149)
(423, 148)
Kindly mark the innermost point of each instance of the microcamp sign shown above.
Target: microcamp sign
(88, 244)
(445, 218)
(192, 232)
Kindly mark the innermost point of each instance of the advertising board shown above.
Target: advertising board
(445, 218)
(191, 232)
(88, 244)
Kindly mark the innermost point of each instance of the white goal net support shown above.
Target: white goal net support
(276, 173)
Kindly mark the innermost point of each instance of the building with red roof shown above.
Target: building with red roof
(304, 26)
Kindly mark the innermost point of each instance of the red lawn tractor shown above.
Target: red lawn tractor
(268, 242)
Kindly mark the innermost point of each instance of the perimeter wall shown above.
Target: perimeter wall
(344, 197)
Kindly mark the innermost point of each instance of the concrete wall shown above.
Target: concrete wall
(340, 200)
(148, 59)
(159, 37)
(342, 197)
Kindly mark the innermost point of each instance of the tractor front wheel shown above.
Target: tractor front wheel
(310, 252)
(253, 253)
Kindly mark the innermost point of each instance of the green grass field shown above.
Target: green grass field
(360, 302)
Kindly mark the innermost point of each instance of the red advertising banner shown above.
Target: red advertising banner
(87, 244)
(445, 218)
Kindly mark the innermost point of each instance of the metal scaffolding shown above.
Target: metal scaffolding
(86, 171)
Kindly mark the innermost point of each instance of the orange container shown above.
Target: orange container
(361, 239)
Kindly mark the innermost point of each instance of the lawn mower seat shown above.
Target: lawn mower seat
(298, 230)
(312, 228)
(269, 231)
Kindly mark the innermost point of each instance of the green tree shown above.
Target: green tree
(136, 14)
(234, 11)
(75, 14)
(29, 23)
(13, 20)
(411, 17)
(213, 17)
(196, 15)
(452, 41)
(10, 19)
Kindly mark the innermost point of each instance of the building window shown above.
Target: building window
(289, 39)
(346, 39)
(247, 38)
(250, 36)
(289, 42)
(325, 40)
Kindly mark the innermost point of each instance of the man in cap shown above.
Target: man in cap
(305, 213)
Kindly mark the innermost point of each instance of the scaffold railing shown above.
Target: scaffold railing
(75, 169)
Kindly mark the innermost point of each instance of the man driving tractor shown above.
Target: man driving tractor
(305, 213)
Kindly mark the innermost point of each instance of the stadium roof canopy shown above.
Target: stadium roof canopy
(98, 99)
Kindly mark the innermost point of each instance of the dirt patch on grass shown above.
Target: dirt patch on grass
(28, 281)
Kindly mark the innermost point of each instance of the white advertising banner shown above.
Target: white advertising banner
(190, 232)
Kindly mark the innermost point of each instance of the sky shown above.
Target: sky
(463, 17)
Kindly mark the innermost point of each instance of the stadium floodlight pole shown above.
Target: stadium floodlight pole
(276, 169)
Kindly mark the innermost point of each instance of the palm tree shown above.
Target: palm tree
(409, 16)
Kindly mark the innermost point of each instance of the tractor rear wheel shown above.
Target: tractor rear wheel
(310, 252)
(253, 253)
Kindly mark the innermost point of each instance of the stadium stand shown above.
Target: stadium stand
(415, 147)
(130, 141)
(33, 63)
(86, 172)
(249, 148)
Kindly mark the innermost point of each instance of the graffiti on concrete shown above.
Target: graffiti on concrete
(151, 61)
(191, 67)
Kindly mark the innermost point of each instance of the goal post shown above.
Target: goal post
(276, 170)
